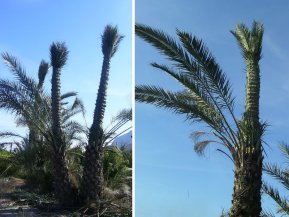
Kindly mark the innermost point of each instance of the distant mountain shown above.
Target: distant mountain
(124, 140)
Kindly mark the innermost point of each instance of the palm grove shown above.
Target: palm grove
(53, 149)
(207, 98)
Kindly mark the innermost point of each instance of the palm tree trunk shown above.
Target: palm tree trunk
(62, 185)
(92, 183)
(252, 90)
(92, 179)
(246, 200)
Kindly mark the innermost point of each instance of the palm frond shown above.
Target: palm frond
(14, 65)
(68, 94)
(279, 174)
(110, 40)
(166, 45)
(42, 72)
(6, 134)
(215, 78)
(266, 213)
(284, 149)
(250, 41)
(209, 80)
(123, 115)
(178, 102)
(58, 54)
(274, 194)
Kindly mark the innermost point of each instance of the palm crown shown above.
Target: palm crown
(207, 97)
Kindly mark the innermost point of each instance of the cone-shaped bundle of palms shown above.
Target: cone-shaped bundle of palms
(207, 98)
(92, 179)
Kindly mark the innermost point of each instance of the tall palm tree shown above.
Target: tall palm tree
(63, 188)
(27, 100)
(92, 181)
(207, 98)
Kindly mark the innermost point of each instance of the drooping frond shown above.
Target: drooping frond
(216, 80)
(166, 45)
(117, 126)
(179, 102)
(58, 54)
(198, 71)
(110, 40)
(7, 134)
(200, 146)
(202, 143)
(277, 173)
(68, 94)
(281, 201)
(123, 115)
(189, 83)
(14, 65)
(266, 213)
(285, 149)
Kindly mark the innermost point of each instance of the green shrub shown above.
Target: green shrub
(116, 167)
(7, 164)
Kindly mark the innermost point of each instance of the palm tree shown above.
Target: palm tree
(92, 179)
(27, 100)
(282, 176)
(207, 98)
(63, 188)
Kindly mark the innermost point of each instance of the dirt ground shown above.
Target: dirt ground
(12, 208)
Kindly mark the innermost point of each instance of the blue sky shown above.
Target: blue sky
(28, 27)
(171, 180)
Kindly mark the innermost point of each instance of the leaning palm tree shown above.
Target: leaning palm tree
(207, 98)
(92, 180)
(63, 188)
(282, 176)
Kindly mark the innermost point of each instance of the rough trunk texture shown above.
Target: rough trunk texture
(101, 96)
(246, 200)
(252, 90)
(92, 180)
(62, 184)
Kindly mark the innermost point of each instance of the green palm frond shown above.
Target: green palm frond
(166, 45)
(110, 40)
(123, 115)
(188, 82)
(116, 127)
(14, 65)
(284, 149)
(266, 213)
(198, 72)
(281, 201)
(279, 174)
(179, 102)
(214, 78)
(250, 41)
